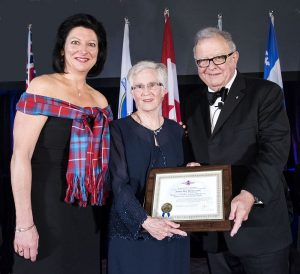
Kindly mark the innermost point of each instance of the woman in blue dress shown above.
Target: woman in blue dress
(139, 243)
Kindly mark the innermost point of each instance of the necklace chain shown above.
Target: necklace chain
(155, 131)
(156, 143)
(78, 92)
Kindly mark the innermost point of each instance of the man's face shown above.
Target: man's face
(216, 76)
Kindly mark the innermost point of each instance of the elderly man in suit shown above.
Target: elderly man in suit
(242, 122)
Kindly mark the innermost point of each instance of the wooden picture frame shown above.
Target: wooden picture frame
(198, 198)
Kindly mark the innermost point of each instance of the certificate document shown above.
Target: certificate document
(197, 197)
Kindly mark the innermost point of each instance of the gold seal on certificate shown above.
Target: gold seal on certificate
(166, 209)
(196, 197)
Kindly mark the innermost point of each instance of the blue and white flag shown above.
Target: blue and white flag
(272, 71)
(125, 98)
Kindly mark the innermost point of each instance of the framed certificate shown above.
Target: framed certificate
(196, 197)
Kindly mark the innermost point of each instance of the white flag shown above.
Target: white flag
(125, 98)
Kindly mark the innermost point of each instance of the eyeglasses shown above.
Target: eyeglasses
(217, 60)
(152, 86)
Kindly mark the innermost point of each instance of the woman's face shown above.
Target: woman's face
(80, 50)
(147, 90)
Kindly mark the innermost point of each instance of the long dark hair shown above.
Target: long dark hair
(79, 20)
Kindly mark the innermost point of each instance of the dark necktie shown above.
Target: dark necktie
(212, 96)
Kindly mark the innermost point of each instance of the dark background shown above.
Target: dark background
(246, 20)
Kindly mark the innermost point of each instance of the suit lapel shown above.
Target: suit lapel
(234, 97)
(203, 114)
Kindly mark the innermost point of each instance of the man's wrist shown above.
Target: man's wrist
(257, 201)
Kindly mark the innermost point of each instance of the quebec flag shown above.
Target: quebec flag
(125, 105)
(272, 71)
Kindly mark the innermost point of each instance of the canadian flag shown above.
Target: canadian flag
(170, 104)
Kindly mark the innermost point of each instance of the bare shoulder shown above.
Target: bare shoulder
(42, 85)
(100, 99)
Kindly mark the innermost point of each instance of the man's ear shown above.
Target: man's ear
(236, 56)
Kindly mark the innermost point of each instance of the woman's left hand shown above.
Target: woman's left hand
(162, 228)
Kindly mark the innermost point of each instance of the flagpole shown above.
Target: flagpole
(220, 23)
(166, 13)
(28, 53)
(126, 20)
(271, 16)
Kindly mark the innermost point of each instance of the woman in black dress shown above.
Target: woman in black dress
(58, 164)
(139, 243)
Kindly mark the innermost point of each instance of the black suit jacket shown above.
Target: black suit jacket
(252, 134)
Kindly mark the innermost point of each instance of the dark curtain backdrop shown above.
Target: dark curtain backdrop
(292, 98)
(110, 88)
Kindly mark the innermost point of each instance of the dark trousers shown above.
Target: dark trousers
(271, 263)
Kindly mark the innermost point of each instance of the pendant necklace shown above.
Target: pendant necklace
(155, 132)
(78, 92)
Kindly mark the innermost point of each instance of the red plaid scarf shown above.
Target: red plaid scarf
(89, 146)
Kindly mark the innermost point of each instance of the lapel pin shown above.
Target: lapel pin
(237, 97)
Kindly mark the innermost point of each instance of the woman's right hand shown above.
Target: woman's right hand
(26, 243)
(161, 228)
(27, 129)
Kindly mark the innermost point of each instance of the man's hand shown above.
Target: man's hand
(191, 164)
(184, 127)
(240, 208)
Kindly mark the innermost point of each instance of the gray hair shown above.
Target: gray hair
(142, 65)
(211, 32)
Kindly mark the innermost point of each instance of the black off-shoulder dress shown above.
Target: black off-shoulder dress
(69, 235)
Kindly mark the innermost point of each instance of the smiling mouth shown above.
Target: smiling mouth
(82, 60)
(213, 74)
(148, 100)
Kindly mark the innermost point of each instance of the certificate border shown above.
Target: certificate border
(222, 224)
(159, 188)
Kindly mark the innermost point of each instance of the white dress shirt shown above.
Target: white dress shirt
(214, 109)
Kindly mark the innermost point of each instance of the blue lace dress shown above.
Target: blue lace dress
(133, 153)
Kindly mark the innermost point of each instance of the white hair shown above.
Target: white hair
(211, 32)
(142, 65)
